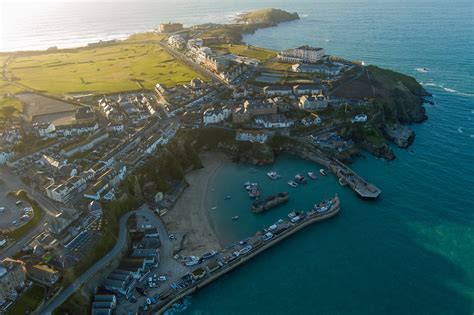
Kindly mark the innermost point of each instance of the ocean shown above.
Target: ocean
(409, 252)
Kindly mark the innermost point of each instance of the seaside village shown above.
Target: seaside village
(71, 158)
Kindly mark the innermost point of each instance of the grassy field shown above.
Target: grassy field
(114, 68)
(28, 301)
(10, 101)
(251, 51)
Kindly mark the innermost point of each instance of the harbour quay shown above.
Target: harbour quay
(222, 262)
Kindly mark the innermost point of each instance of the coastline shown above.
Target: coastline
(190, 216)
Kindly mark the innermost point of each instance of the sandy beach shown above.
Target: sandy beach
(190, 215)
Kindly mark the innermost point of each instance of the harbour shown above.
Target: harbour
(241, 252)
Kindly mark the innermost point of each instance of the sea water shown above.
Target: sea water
(409, 252)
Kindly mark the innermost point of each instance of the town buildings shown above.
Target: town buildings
(310, 102)
(249, 109)
(303, 54)
(215, 116)
(259, 136)
(273, 121)
(12, 278)
(43, 274)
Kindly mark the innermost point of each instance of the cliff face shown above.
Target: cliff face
(401, 96)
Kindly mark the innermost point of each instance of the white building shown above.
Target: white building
(194, 42)
(306, 89)
(176, 41)
(311, 120)
(311, 68)
(302, 54)
(63, 192)
(359, 118)
(277, 90)
(273, 121)
(5, 155)
(215, 116)
(251, 136)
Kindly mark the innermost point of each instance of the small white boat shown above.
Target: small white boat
(322, 172)
(273, 175)
(312, 175)
(213, 208)
(300, 179)
(292, 183)
(227, 197)
(246, 184)
(235, 217)
(342, 182)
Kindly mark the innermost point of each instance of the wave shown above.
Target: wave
(304, 15)
(446, 89)
(422, 70)
(460, 130)
(471, 135)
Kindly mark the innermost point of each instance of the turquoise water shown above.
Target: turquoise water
(411, 251)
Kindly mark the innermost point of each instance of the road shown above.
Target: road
(166, 253)
(51, 305)
(13, 182)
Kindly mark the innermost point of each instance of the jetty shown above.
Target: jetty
(306, 150)
(234, 256)
(357, 183)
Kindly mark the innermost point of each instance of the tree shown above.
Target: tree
(7, 112)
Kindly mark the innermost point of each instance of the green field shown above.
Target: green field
(28, 301)
(10, 101)
(120, 67)
(251, 51)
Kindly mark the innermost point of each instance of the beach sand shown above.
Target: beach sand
(190, 215)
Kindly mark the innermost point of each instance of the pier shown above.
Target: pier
(201, 277)
(308, 151)
(357, 183)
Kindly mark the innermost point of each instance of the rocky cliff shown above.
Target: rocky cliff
(401, 97)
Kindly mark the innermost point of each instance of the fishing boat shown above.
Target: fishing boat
(227, 197)
(292, 183)
(273, 175)
(322, 172)
(312, 175)
(342, 182)
(300, 179)
(235, 217)
(254, 193)
(252, 186)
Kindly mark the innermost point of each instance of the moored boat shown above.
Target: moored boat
(227, 197)
(292, 183)
(300, 179)
(322, 172)
(312, 175)
(235, 217)
(273, 175)
(254, 193)
(342, 182)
